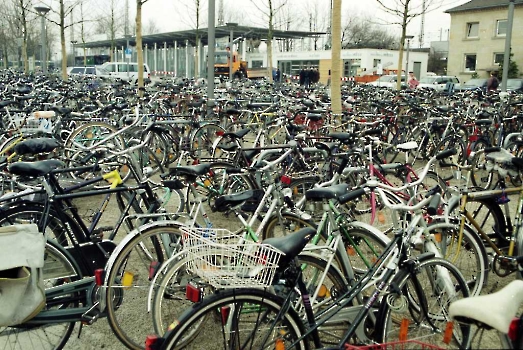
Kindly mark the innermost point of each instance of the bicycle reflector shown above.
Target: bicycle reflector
(514, 328)
(193, 293)
(152, 342)
(286, 180)
(99, 276)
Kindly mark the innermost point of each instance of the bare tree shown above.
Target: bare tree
(195, 20)
(362, 31)
(111, 23)
(269, 11)
(21, 12)
(317, 17)
(405, 11)
(139, 49)
(150, 27)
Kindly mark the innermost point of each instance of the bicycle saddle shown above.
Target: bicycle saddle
(40, 168)
(292, 244)
(190, 170)
(37, 145)
(496, 310)
(407, 146)
(238, 134)
(233, 111)
(334, 191)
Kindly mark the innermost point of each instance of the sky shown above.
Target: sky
(171, 16)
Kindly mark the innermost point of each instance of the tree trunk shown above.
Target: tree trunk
(402, 45)
(62, 42)
(336, 57)
(139, 50)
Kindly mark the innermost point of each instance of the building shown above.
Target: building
(173, 53)
(477, 37)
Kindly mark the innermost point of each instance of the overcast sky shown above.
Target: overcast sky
(171, 16)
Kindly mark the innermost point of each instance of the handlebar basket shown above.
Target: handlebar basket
(226, 260)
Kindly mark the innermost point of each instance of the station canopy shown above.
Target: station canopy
(181, 37)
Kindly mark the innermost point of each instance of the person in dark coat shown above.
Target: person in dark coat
(302, 76)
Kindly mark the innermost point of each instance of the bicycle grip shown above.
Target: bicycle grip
(446, 153)
(351, 195)
(433, 205)
(372, 132)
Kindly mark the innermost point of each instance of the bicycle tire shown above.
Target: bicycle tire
(62, 268)
(202, 141)
(470, 257)
(480, 176)
(134, 258)
(245, 306)
(413, 293)
(281, 224)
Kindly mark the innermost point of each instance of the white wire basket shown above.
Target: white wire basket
(33, 123)
(225, 260)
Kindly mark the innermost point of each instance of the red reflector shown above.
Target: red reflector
(220, 133)
(99, 276)
(151, 341)
(513, 329)
(225, 311)
(153, 268)
(193, 293)
(286, 180)
(473, 138)
(195, 162)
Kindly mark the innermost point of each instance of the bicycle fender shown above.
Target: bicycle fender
(452, 204)
(136, 232)
(123, 244)
(372, 229)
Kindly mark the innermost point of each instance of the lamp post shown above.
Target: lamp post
(42, 10)
(231, 27)
(73, 42)
(508, 39)
(409, 38)
(127, 55)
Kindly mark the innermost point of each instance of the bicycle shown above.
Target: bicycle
(397, 250)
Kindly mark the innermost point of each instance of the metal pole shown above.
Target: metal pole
(508, 39)
(126, 56)
(231, 53)
(210, 56)
(44, 48)
(407, 64)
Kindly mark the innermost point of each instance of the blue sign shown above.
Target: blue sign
(128, 51)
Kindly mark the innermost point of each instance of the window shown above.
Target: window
(470, 63)
(257, 64)
(472, 30)
(498, 58)
(351, 66)
(501, 27)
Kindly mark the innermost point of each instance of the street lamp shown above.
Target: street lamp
(42, 10)
(409, 38)
(73, 42)
(231, 27)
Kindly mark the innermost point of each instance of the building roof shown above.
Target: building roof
(474, 5)
(220, 31)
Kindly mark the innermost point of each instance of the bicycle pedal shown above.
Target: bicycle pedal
(91, 315)
(98, 232)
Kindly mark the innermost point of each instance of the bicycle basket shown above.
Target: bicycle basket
(226, 260)
(398, 345)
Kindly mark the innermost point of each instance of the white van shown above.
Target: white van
(123, 70)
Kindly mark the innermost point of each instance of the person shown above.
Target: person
(277, 75)
(492, 82)
(413, 82)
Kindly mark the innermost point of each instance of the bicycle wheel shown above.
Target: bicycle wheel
(281, 224)
(128, 281)
(417, 307)
(238, 319)
(203, 141)
(33, 214)
(453, 142)
(363, 244)
(88, 135)
(468, 254)
(481, 174)
(58, 268)
(489, 217)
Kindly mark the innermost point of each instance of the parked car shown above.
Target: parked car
(473, 84)
(438, 82)
(81, 70)
(123, 70)
(389, 81)
(513, 85)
